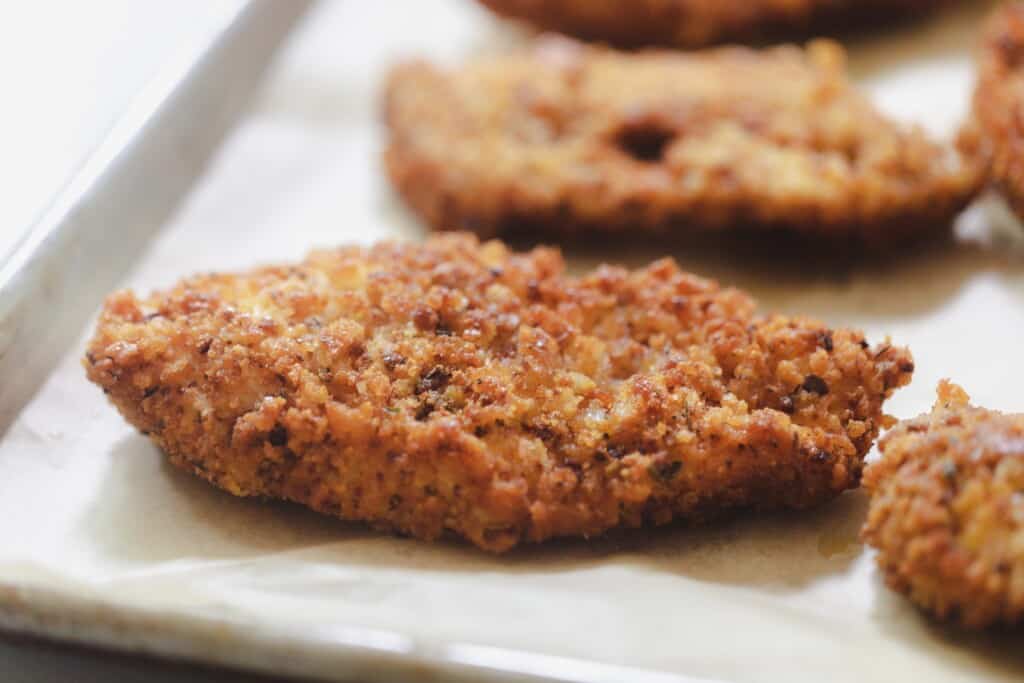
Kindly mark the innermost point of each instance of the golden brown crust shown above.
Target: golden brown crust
(999, 100)
(947, 511)
(459, 386)
(569, 139)
(698, 23)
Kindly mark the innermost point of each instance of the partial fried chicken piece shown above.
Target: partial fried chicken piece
(999, 101)
(567, 139)
(459, 386)
(698, 23)
(947, 511)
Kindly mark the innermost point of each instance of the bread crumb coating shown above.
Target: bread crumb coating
(459, 386)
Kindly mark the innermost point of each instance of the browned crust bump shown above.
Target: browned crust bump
(699, 23)
(566, 139)
(947, 511)
(459, 386)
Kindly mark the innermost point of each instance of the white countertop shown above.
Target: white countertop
(69, 70)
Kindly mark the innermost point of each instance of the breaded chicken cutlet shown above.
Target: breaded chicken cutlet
(459, 386)
(699, 23)
(999, 100)
(564, 139)
(947, 511)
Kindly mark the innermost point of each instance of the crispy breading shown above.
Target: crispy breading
(564, 138)
(698, 23)
(459, 386)
(999, 100)
(947, 511)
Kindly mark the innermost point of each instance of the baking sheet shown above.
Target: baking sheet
(105, 542)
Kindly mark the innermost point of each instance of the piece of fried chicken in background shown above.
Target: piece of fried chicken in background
(562, 139)
(699, 23)
(999, 101)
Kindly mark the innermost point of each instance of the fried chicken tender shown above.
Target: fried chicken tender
(564, 138)
(947, 511)
(999, 100)
(698, 23)
(459, 386)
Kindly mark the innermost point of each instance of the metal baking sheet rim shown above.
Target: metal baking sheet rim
(342, 653)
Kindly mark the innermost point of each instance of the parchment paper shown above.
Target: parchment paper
(88, 509)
